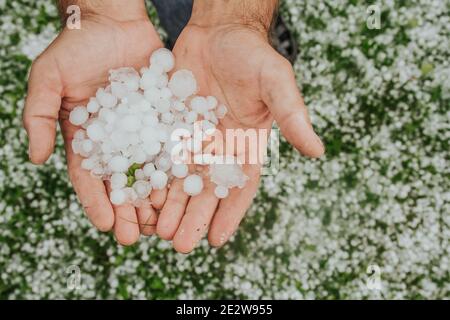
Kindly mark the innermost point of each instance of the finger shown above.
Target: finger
(91, 191)
(280, 93)
(42, 107)
(158, 198)
(232, 210)
(173, 210)
(126, 226)
(147, 218)
(195, 222)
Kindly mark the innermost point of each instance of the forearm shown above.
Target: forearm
(120, 10)
(257, 14)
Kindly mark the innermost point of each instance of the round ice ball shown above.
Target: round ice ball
(180, 170)
(183, 84)
(193, 185)
(164, 58)
(95, 131)
(118, 180)
(221, 192)
(78, 116)
(93, 106)
(118, 197)
(118, 164)
(158, 179)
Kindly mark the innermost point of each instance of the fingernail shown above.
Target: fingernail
(320, 141)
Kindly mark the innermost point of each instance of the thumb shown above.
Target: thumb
(281, 95)
(42, 108)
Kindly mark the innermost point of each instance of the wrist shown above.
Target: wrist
(254, 14)
(116, 9)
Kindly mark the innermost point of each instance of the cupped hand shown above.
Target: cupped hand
(236, 64)
(67, 74)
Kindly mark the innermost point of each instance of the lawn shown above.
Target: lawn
(379, 198)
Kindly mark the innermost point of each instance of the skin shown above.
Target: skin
(256, 91)
(216, 46)
(65, 75)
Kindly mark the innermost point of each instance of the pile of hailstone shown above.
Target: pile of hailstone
(128, 128)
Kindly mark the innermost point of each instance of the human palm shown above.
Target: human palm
(238, 66)
(70, 71)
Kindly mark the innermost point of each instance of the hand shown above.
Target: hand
(70, 71)
(235, 63)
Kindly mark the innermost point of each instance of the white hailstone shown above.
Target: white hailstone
(221, 192)
(164, 58)
(162, 105)
(95, 131)
(106, 99)
(158, 179)
(119, 90)
(149, 120)
(135, 100)
(132, 84)
(110, 117)
(149, 80)
(156, 68)
(130, 123)
(212, 102)
(148, 134)
(106, 147)
(138, 155)
(142, 189)
(166, 93)
(221, 111)
(80, 134)
(163, 80)
(194, 145)
(88, 164)
(104, 113)
(118, 164)
(76, 146)
(119, 140)
(183, 84)
(131, 195)
(152, 148)
(149, 168)
(152, 95)
(164, 163)
(106, 157)
(87, 145)
(118, 197)
(199, 104)
(118, 180)
(98, 171)
(211, 116)
(93, 106)
(163, 134)
(139, 174)
(193, 185)
(227, 174)
(180, 170)
(191, 117)
(133, 126)
(167, 118)
(129, 77)
(179, 106)
(78, 116)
